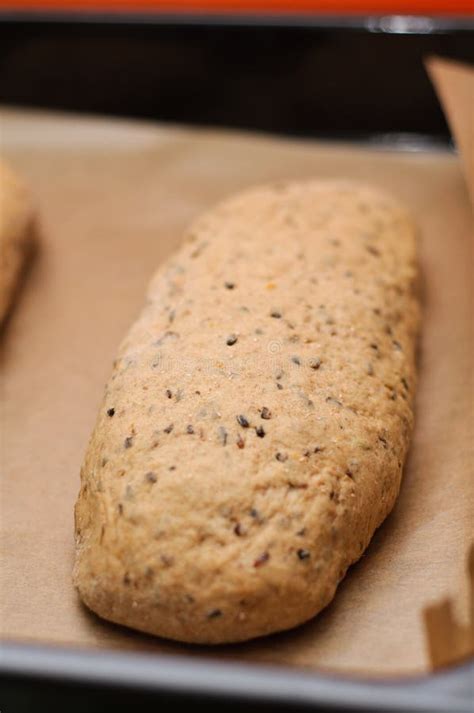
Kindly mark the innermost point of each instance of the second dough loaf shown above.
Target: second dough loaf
(254, 430)
(16, 234)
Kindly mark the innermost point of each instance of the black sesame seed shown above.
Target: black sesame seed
(128, 442)
(214, 613)
(169, 428)
(189, 429)
(260, 431)
(151, 477)
(168, 393)
(315, 363)
(243, 421)
(261, 559)
(282, 457)
(231, 339)
(332, 400)
(254, 513)
(373, 250)
(279, 386)
(110, 412)
(296, 360)
(266, 413)
(238, 530)
(275, 314)
(229, 285)
(303, 554)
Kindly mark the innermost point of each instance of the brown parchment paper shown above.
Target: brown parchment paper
(454, 84)
(114, 198)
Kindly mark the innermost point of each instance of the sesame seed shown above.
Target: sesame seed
(243, 421)
(261, 559)
(303, 554)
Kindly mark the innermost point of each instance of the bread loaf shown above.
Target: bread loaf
(254, 429)
(16, 234)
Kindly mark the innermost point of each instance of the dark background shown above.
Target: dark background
(331, 78)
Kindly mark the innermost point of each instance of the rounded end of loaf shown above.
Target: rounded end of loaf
(223, 612)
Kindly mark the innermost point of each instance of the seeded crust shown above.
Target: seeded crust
(16, 238)
(253, 433)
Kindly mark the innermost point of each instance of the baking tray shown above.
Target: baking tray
(58, 676)
(42, 677)
(195, 166)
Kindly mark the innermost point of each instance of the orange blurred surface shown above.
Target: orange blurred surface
(423, 7)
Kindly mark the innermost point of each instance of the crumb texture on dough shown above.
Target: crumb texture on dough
(254, 429)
